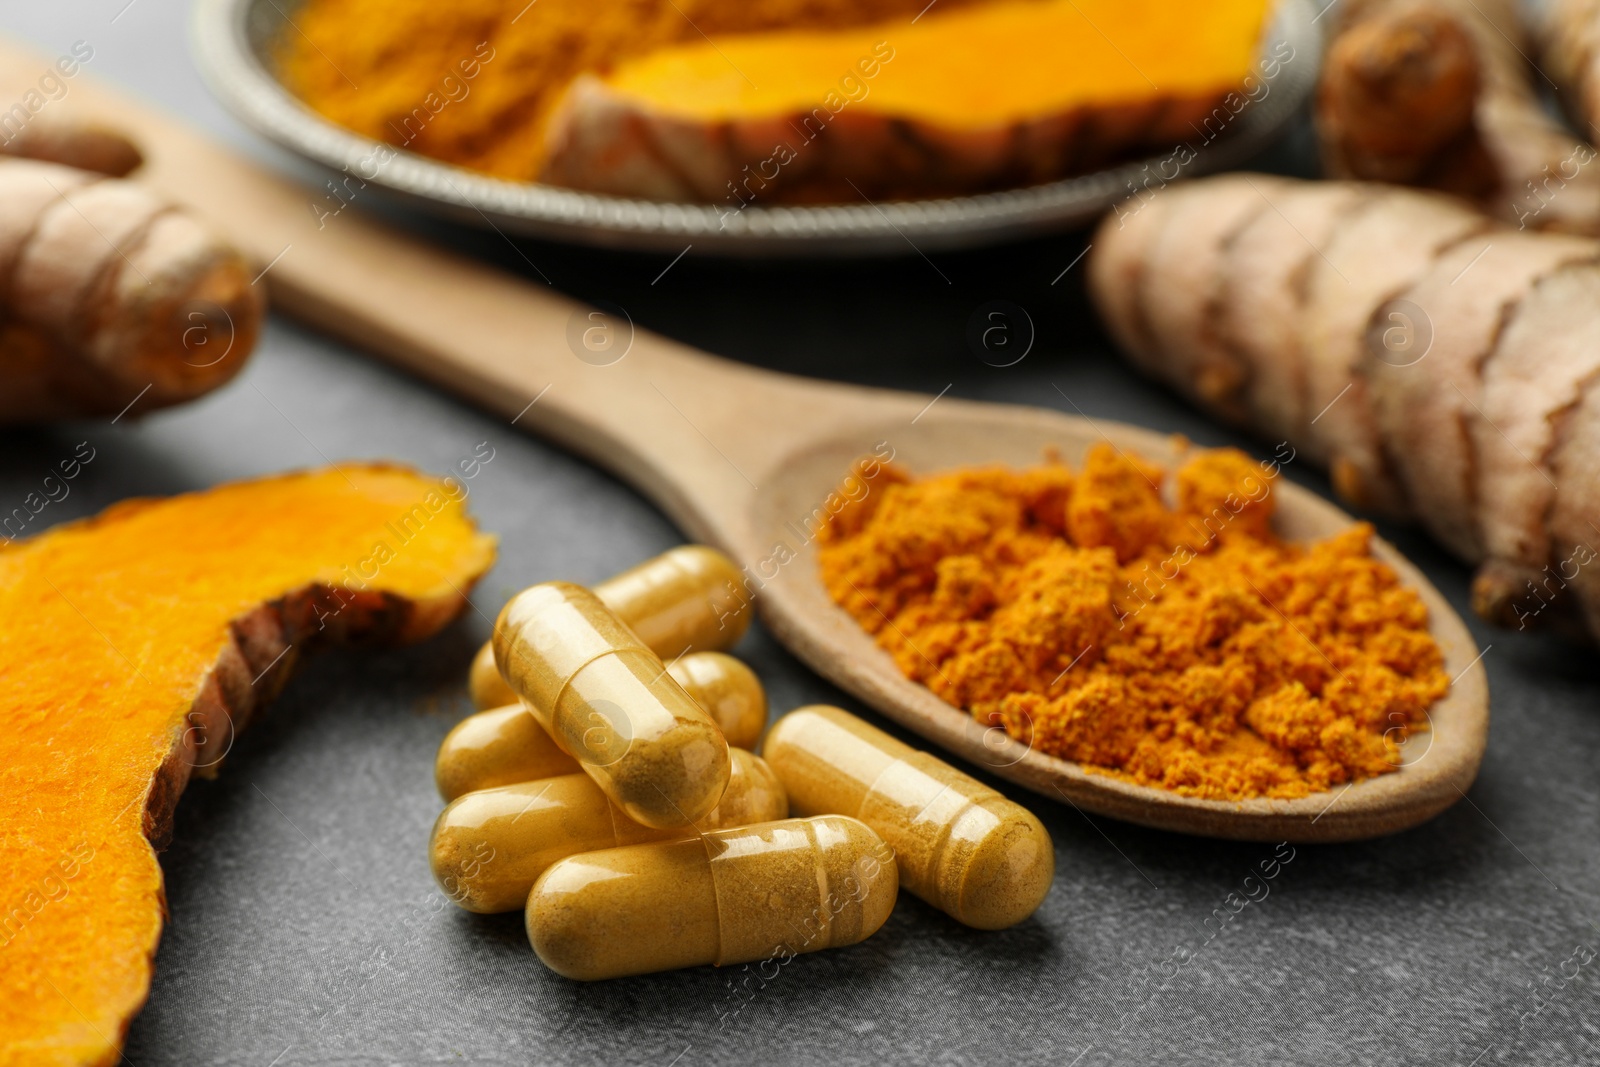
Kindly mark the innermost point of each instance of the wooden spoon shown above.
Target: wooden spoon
(742, 458)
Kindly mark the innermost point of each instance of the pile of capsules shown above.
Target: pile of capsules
(600, 793)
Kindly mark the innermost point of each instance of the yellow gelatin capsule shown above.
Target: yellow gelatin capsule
(488, 847)
(505, 745)
(729, 691)
(610, 704)
(961, 846)
(688, 599)
(484, 684)
(501, 746)
(770, 891)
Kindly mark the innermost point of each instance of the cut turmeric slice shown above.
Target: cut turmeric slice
(473, 82)
(138, 643)
(1006, 93)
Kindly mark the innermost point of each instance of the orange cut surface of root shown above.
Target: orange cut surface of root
(137, 644)
(989, 95)
(982, 66)
(473, 82)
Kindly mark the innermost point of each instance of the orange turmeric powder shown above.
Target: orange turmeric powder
(1184, 647)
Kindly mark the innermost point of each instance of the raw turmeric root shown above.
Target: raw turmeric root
(73, 144)
(1439, 94)
(138, 644)
(1440, 364)
(1569, 44)
(111, 299)
(905, 109)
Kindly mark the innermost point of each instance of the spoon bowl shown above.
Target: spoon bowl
(741, 457)
(1437, 765)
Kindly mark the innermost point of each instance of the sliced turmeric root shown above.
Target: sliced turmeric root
(138, 643)
(1002, 94)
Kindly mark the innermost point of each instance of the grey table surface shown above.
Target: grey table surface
(305, 928)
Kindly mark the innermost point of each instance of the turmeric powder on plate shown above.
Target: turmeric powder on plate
(1185, 646)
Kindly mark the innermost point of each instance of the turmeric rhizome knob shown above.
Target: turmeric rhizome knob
(503, 746)
(769, 891)
(689, 599)
(609, 703)
(961, 846)
(489, 847)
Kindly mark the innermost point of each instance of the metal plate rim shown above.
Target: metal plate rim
(237, 75)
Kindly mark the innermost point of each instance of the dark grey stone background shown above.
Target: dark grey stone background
(305, 928)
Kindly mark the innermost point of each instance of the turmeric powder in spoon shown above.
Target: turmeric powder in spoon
(1181, 645)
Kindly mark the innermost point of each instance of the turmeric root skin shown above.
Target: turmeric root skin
(111, 300)
(1569, 46)
(1401, 89)
(1439, 94)
(87, 147)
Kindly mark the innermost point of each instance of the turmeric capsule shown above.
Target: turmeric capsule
(728, 690)
(488, 847)
(506, 745)
(961, 846)
(610, 704)
(688, 599)
(770, 891)
(484, 684)
(501, 746)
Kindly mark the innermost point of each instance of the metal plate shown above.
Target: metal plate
(233, 40)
